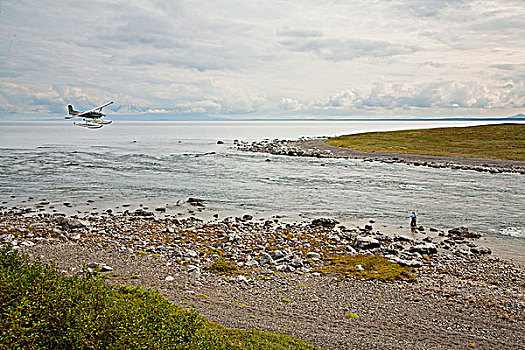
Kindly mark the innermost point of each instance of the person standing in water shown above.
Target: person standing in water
(413, 220)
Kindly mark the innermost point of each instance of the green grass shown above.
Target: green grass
(221, 267)
(502, 141)
(374, 267)
(43, 309)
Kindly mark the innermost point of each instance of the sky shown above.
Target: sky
(264, 59)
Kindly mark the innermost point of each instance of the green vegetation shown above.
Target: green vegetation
(503, 141)
(221, 267)
(351, 315)
(286, 300)
(43, 309)
(373, 267)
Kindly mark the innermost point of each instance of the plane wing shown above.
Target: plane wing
(99, 108)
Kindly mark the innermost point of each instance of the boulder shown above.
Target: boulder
(458, 231)
(362, 242)
(324, 222)
(276, 254)
(425, 249)
(105, 268)
(251, 263)
(313, 256)
(68, 224)
(142, 212)
(196, 202)
(481, 250)
(266, 259)
(463, 232)
(191, 254)
(350, 250)
(296, 262)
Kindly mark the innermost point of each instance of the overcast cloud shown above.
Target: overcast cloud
(256, 59)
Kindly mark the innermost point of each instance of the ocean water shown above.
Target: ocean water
(158, 163)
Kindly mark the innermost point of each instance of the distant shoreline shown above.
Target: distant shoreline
(462, 163)
(157, 118)
(370, 146)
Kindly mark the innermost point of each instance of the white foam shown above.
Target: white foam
(518, 232)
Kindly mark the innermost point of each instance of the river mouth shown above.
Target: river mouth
(158, 164)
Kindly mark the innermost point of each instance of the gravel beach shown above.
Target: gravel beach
(462, 297)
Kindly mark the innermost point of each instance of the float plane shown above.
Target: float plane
(92, 119)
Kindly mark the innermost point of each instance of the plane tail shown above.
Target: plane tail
(71, 111)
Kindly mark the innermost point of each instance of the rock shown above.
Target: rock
(105, 268)
(481, 250)
(463, 232)
(426, 249)
(141, 212)
(192, 268)
(362, 242)
(251, 263)
(368, 227)
(403, 239)
(74, 238)
(324, 222)
(161, 209)
(276, 254)
(60, 236)
(313, 255)
(196, 202)
(241, 278)
(189, 253)
(359, 267)
(350, 250)
(296, 262)
(410, 263)
(266, 259)
(458, 231)
(169, 278)
(68, 224)
(179, 203)
(282, 267)
(220, 142)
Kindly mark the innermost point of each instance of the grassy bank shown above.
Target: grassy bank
(42, 309)
(503, 141)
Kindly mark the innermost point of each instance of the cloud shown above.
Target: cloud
(300, 33)
(504, 66)
(346, 49)
(262, 58)
(435, 95)
(290, 104)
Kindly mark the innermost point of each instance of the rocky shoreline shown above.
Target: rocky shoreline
(319, 148)
(462, 296)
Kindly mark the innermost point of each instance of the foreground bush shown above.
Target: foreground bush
(42, 309)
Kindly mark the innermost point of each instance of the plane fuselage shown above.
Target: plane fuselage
(93, 115)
